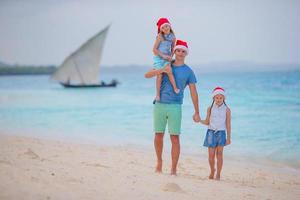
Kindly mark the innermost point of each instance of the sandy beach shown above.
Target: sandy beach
(32, 168)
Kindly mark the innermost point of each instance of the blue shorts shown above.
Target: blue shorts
(159, 62)
(215, 138)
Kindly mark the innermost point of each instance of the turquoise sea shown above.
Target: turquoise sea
(265, 111)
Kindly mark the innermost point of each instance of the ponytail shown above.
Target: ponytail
(212, 104)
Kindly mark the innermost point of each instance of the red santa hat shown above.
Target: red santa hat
(218, 90)
(161, 22)
(180, 44)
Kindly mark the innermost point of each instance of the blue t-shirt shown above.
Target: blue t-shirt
(184, 76)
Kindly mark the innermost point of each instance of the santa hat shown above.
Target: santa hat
(161, 22)
(218, 90)
(180, 44)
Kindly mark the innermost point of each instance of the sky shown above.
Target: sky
(44, 32)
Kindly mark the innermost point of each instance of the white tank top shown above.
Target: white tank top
(217, 120)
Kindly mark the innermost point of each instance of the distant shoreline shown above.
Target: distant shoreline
(26, 70)
(205, 68)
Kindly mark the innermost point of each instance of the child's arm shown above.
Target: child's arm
(156, 43)
(206, 121)
(228, 126)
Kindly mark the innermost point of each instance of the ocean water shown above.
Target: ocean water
(265, 110)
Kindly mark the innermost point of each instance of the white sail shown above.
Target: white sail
(82, 66)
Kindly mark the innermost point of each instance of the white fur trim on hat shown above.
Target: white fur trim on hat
(218, 91)
(181, 47)
(164, 24)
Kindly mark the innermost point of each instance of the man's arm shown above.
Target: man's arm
(194, 96)
(155, 72)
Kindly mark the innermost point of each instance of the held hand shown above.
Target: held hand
(168, 58)
(202, 122)
(196, 117)
(228, 142)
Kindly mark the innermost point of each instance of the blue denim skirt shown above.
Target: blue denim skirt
(215, 138)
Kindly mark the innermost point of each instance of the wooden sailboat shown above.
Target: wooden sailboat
(82, 68)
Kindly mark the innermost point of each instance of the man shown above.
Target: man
(168, 109)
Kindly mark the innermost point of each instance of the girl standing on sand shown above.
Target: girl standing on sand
(163, 53)
(218, 119)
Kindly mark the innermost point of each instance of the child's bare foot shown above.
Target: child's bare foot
(176, 90)
(157, 98)
(158, 167)
(218, 177)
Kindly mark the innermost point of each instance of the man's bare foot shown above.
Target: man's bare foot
(176, 90)
(173, 172)
(158, 167)
(212, 174)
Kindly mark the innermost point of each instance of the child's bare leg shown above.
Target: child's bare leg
(219, 161)
(158, 84)
(211, 160)
(172, 80)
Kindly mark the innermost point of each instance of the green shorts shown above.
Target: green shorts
(167, 113)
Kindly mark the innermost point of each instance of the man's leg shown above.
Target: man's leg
(160, 122)
(175, 152)
(174, 125)
(158, 144)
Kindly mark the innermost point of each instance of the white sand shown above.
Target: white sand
(44, 169)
